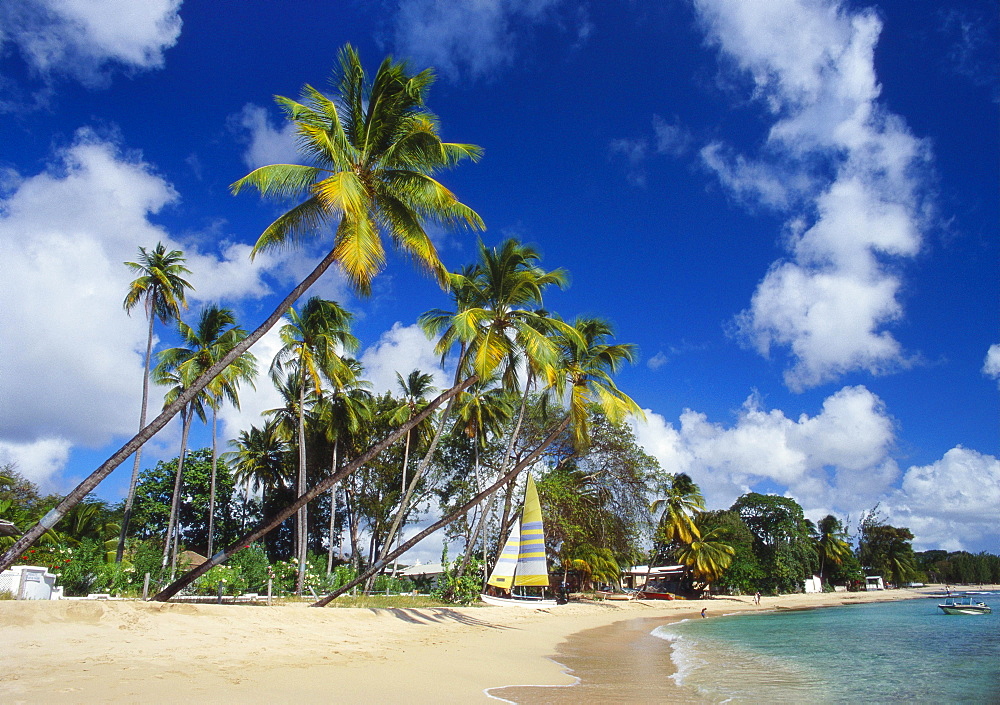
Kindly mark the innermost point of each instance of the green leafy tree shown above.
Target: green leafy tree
(341, 411)
(886, 550)
(160, 288)
(595, 497)
(154, 499)
(744, 575)
(783, 540)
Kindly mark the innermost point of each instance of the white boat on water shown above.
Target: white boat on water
(522, 560)
(964, 605)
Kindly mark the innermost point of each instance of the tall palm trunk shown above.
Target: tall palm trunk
(211, 492)
(402, 493)
(127, 517)
(502, 534)
(302, 529)
(333, 512)
(173, 530)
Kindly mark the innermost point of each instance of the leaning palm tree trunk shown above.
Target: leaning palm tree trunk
(268, 524)
(127, 517)
(150, 430)
(445, 521)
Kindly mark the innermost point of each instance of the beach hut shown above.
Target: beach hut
(874, 582)
(637, 576)
(424, 576)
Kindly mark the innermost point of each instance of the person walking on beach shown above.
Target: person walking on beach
(756, 598)
(703, 611)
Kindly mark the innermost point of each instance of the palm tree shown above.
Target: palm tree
(499, 324)
(593, 563)
(415, 388)
(678, 508)
(258, 460)
(216, 334)
(830, 543)
(170, 371)
(160, 287)
(481, 413)
(216, 342)
(707, 556)
(341, 411)
(583, 376)
(311, 341)
(375, 150)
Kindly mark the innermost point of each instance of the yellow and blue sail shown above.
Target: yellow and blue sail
(522, 560)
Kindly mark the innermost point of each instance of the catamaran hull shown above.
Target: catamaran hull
(518, 602)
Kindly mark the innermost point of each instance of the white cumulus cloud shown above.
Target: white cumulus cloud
(84, 39)
(950, 503)
(837, 460)
(991, 366)
(847, 173)
(70, 358)
(473, 37)
(402, 349)
(39, 460)
(267, 144)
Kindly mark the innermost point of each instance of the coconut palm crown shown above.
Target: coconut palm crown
(373, 149)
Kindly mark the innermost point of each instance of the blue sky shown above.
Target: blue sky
(790, 206)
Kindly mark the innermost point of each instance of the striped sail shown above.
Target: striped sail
(503, 572)
(531, 566)
(522, 560)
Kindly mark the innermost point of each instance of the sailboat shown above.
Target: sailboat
(522, 560)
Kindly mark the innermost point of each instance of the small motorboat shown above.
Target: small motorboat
(965, 605)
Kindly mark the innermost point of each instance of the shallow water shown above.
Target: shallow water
(891, 652)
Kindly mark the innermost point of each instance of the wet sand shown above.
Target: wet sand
(617, 663)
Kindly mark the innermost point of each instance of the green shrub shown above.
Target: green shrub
(253, 566)
(229, 577)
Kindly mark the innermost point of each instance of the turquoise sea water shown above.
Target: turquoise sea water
(891, 652)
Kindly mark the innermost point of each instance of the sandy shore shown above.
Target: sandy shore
(83, 652)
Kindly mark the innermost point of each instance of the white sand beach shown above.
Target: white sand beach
(98, 651)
